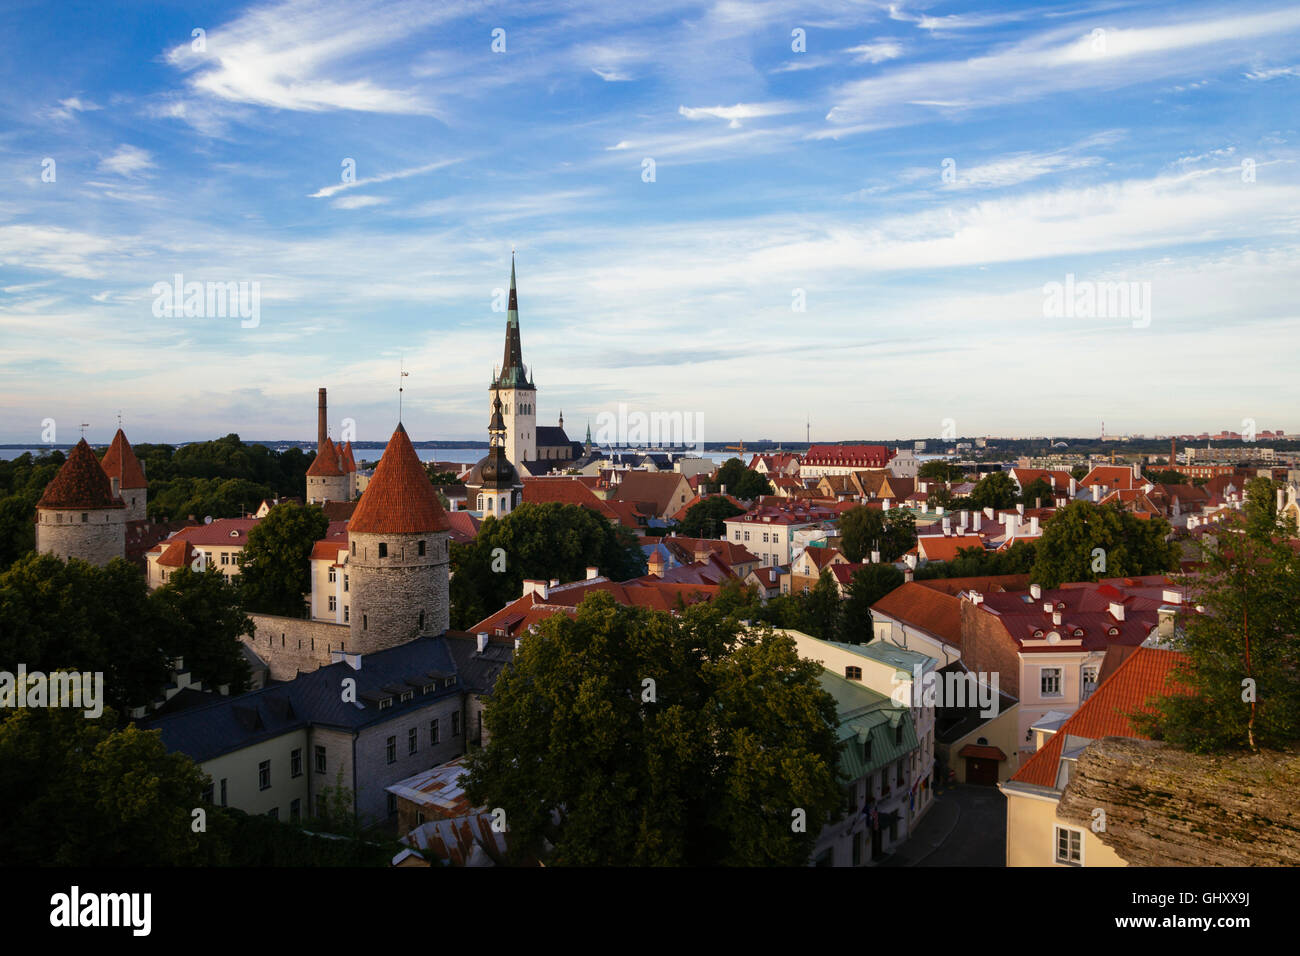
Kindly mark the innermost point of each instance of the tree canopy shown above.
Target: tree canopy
(705, 518)
(549, 541)
(995, 490)
(741, 482)
(1242, 682)
(1086, 542)
(625, 736)
(275, 570)
(863, 530)
(940, 470)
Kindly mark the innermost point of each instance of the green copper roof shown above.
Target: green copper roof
(864, 714)
(512, 374)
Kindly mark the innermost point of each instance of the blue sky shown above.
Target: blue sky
(1112, 141)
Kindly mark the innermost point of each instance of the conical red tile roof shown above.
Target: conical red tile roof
(399, 498)
(80, 483)
(326, 463)
(120, 462)
(346, 459)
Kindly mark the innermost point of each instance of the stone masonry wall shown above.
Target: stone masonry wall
(291, 644)
(98, 540)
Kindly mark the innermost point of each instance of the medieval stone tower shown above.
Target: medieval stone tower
(516, 389)
(79, 516)
(126, 477)
(398, 554)
(332, 475)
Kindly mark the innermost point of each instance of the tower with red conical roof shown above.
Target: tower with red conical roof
(398, 560)
(126, 477)
(327, 478)
(78, 516)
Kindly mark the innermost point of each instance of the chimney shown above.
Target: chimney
(908, 576)
(947, 527)
(518, 641)
(1056, 617)
(722, 489)
(482, 641)
(988, 513)
(555, 583)
(1096, 492)
(322, 427)
(1020, 508)
(1074, 487)
(1033, 525)
(1117, 610)
(1035, 591)
(1048, 607)
(875, 557)
(592, 572)
(533, 586)
(976, 598)
(976, 521)
(888, 502)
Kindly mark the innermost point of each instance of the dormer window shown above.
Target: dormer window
(406, 695)
(426, 689)
(385, 703)
(1078, 632)
(1113, 632)
(1038, 633)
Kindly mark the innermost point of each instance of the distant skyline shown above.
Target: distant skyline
(917, 175)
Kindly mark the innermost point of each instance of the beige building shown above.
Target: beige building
(219, 544)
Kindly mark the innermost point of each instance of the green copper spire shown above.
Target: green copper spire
(512, 363)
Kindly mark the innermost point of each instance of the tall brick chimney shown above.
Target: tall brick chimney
(322, 429)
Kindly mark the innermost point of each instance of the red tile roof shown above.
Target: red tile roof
(80, 483)
(464, 526)
(231, 532)
(176, 553)
(573, 491)
(857, 456)
(326, 464)
(120, 462)
(982, 752)
(1112, 476)
(1146, 673)
(522, 613)
(945, 547)
(925, 608)
(399, 499)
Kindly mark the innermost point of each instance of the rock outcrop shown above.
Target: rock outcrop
(1166, 807)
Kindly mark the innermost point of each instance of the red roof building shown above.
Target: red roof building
(81, 484)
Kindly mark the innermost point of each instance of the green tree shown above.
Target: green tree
(1038, 494)
(1241, 686)
(440, 477)
(995, 490)
(1087, 542)
(741, 482)
(200, 618)
(864, 529)
(549, 541)
(822, 608)
(868, 585)
(75, 616)
(275, 572)
(1165, 476)
(17, 527)
(940, 470)
(705, 766)
(705, 518)
(80, 792)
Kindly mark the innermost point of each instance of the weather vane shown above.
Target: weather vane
(84, 426)
(400, 366)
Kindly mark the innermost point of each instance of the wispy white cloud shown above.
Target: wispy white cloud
(359, 202)
(127, 160)
(327, 191)
(878, 51)
(71, 106)
(734, 114)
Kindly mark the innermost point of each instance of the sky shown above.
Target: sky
(756, 213)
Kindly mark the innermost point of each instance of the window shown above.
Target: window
(383, 550)
(746, 535)
(853, 673)
(223, 792)
(345, 583)
(420, 549)
(264, 775)
(898, 735)
(225, 557)
(765, 537)
(295, 810)
(411, 744)
(333, 575)
(420, 623)
(392, 804)
(346, 609)
(426, 689)
(737, 535)
(419, 818)
(433, 731)
(448, 682)
(385, 703)
(1050, 681)
(365, 623)
(407, 695)
(295, 763)
(320, 759)
(334, 603)
(1069, 846)
(354, 549)
(455, 724)
(392, 750)
(84, 518)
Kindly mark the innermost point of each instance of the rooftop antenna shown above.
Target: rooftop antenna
(401, 368)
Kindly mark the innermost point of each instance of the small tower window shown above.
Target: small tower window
(421, 625)
(84, 517)
(383, 550)
(421, 549)
(365, 622)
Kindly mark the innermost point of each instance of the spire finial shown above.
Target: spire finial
(401, 364)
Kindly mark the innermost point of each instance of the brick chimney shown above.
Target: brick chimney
(322, 426)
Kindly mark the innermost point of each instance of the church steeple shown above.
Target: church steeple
(512, 362)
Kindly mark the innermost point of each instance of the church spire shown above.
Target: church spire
(512, 364)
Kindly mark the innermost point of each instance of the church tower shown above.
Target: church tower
(516, 390)
(126, 476)
(500, 490)
(398, 561)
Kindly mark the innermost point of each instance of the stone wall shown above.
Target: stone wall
(375, 773)
(391, 595)
(1165, 807)
(98, 540)
(290, 645)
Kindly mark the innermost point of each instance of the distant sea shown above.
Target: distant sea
(464, 455)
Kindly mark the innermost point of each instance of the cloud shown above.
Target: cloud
(359, 202)
(734, 114)
(72, 105)
(127, 161)
(327, 191)
(1059, 61)
(1287, 71)
(876, 52)
(611, 76)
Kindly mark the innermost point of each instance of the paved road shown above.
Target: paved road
(967, 826)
